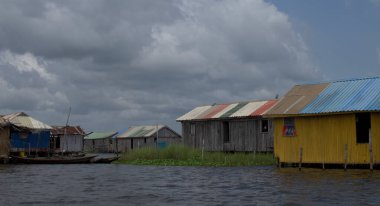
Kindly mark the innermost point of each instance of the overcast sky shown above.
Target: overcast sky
(126, 63)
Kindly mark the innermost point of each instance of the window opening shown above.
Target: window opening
(264, 125)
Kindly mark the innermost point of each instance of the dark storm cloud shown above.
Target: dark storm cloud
(123, 63)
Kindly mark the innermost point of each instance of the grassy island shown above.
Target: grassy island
(178, 155)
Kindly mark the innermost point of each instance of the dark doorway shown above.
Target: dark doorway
(131, 143)
(363, 125)
(226, 132)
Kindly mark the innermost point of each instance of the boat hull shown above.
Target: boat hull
(52, 160)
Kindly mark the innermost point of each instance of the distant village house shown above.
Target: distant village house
(229, 127)
(28, 135)
(67, 138)
(100, 142)
(147, 136)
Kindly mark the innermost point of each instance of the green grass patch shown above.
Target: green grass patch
(179, 155)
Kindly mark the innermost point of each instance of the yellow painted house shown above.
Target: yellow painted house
(329, 123)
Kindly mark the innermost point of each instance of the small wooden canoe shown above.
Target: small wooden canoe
(52, 160)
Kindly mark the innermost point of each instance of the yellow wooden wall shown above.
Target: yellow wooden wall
(323, 139)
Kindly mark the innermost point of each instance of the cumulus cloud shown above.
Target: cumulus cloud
(25, 63)
(124, 63)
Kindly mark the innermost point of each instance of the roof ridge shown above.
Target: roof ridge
(340, 80)
(153, 125)
(246, 101)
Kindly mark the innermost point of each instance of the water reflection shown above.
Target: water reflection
(97, 184)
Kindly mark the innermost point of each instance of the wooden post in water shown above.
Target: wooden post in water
(323, 164)
(370, 151)
(203, 147)
(345, 156)
(300, 163)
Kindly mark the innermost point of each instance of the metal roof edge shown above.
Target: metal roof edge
(317, 114)
(339, 80)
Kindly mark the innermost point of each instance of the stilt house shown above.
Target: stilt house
(229, 127)
(27, 134)
(147, 136)
(100, 142)
(67, 138)
(329, 123)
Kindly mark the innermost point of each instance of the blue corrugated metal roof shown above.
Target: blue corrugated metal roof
(346, 96)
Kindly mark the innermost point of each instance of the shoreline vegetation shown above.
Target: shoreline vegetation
(179, 155)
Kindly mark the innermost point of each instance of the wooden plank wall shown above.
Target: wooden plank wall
(323, 139)
(71, 143)
(245, 135)
(101, 145)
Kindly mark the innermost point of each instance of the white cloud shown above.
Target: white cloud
(243, 40)
(26, 62)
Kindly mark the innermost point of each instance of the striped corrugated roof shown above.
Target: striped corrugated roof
(100, 135)
(339, 96)
(141, 131)
(231, 110)
(21, 119)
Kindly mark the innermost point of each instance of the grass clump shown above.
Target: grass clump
(179, 155)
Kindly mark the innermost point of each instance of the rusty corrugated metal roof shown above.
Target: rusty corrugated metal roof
(296, 99)
(231, 110)
(21, 119)
(70, 130)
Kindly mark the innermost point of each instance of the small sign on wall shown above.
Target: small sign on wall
(289, 129)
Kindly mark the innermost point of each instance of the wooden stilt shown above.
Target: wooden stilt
(370, 151)
(203, 147)
(345, 156)
(300, 163)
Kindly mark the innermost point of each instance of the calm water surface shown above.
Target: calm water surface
(102, 184)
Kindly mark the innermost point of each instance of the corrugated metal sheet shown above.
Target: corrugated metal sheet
(100, 135)
(236, 109)
(248, 109)
(232, 110)
(223, 111)
(216, 109)
(296, 99)
(193, 113)
(141, 131)
(346, 96)
(70, 130)
(264, 108)
(21, 119)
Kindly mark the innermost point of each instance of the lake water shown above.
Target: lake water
(112, 184)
